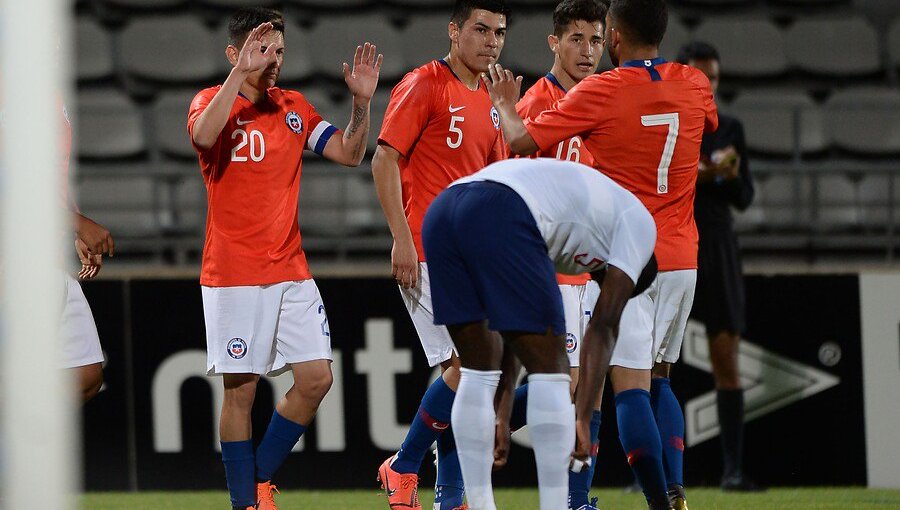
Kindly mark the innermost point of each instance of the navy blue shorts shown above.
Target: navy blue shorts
(488, 260)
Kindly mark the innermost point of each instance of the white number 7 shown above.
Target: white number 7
(671, 120)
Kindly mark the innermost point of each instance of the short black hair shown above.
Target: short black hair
(573, 10)
(463, 9)
(244, 20)
(644, 20)
(697, 50)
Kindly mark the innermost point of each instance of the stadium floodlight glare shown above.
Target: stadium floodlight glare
(37, 448)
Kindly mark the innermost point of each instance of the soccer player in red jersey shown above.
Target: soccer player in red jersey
(642, 123)
(263, 311)
(439, 126)
(577, 45)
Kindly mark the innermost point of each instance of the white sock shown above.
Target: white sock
(551, 422)
(473, 420)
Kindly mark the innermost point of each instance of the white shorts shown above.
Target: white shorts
(263, 329)
(77, 330)
(435, 339)
(652, 326)
(578, 305)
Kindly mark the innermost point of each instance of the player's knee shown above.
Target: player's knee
(240, 395)
(314, 387)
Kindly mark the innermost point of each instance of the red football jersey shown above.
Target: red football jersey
(443, 131)
(252, 177)
(643, 124)
(540, 97)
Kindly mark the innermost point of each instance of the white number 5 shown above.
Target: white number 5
(456, 130)
(671, 120)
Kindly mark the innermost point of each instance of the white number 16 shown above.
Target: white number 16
(671, 120)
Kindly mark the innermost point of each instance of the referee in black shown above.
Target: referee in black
(723, 183)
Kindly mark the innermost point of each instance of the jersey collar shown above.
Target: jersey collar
(552, 79)
(644, 63)
(445, 64)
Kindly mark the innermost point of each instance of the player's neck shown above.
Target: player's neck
(628, 54)
(469, 77)
(252, 93)
(562, 76)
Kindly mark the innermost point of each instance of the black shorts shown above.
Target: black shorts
(719, 300)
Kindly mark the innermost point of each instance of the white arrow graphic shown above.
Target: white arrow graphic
(770, 382)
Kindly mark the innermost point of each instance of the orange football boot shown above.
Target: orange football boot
(265, 495)
(402, 489)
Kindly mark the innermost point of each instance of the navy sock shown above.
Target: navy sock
(239, 467)
(520, 406)
(580, 483)
(280, 438)
(670, 421)
(432, 419)
(640, 439)
(448, 489)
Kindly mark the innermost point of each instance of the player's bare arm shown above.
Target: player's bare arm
(362, 80)
(503, 403)
(504, 89)
(386, 173)
(95, 236)
(253, 56)
(596, 351)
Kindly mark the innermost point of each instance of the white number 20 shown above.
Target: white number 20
(671, 120)
(456, 130)
(256, 142)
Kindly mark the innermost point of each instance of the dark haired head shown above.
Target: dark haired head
(697, 50)
(643, 20)
(463, 9)
(245, 20)
(573, 10)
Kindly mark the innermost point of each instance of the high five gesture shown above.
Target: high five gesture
(362, 78)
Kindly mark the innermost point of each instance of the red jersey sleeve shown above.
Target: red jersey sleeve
(574, 114)
(408, 111)
(198, 106)
(711, 123)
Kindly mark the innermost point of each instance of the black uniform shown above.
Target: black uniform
(719, 299)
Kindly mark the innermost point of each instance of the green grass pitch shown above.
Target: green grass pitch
(839, 498)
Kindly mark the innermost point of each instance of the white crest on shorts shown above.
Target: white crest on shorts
(571, 343)
(237, 348)
(495, 118)
(295, 122)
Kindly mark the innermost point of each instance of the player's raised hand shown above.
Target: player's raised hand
(405, 264)
(503, 87)
(251, 57)
(90, 263)
(94, 235)
(362, 78)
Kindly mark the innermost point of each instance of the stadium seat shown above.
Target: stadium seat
(526, 50)
(746, 47)
(175, 49)
(298, 54)
(236, 4)
(875, 198)
(893, 42)
(332, 3)
(838, 202)
(836, 47)
(677, 35)
(124, 205)
(322, 198)
(170, 124)
(779, 196)
(336, 38)
(379, 106)
(431, 40)
(108, 125)
(145, 4)
(769, 121)
(335, 110)
(93, 50)
(865, 120)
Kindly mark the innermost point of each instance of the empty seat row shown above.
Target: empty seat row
(863, 120)
(181, 49)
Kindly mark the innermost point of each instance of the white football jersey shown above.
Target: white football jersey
(586, 219)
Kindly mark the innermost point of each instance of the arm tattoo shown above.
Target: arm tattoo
(360, 115)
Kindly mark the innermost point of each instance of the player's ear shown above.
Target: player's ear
(553, 42)
(231, 53)
(453, 32)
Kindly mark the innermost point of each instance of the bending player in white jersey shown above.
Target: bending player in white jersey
(487, 239)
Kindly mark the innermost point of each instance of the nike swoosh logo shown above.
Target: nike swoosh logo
(244, 122)
(390, 492)
(454, 110)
